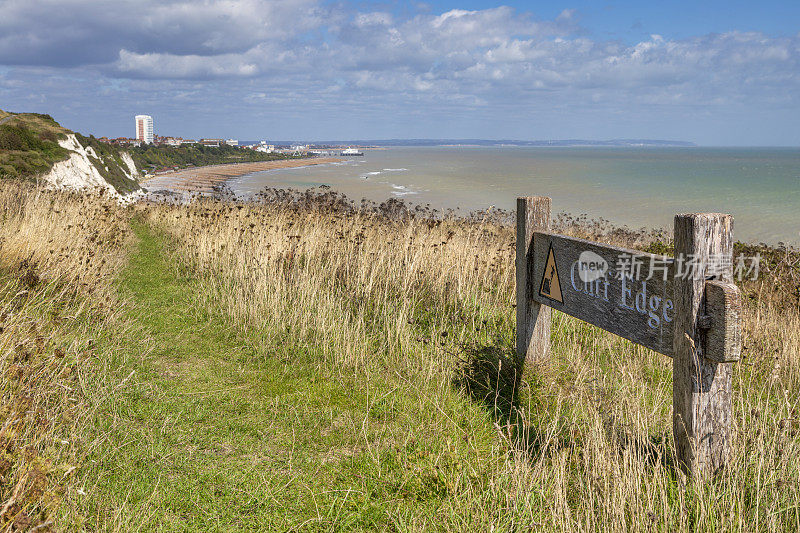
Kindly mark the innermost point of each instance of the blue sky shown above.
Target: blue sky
(716, 73)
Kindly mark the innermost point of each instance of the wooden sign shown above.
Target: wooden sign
(692, 316)
(623, 291)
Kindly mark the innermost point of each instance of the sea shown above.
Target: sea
(638, 187)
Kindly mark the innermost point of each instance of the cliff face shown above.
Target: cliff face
(36, 147)
(85, 168)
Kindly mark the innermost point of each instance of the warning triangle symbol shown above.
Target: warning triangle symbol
(551, 286)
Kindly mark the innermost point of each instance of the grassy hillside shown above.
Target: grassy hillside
(29, 148)
(301, 364)
(153, 157)
(28, 144)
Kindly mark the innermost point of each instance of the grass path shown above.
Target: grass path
(214, 432)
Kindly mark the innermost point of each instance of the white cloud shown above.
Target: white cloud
(487, 50)
(76, 32)
(372, 19)
(452, 14)
(184, 66)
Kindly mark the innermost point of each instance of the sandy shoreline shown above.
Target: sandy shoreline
(203, 179)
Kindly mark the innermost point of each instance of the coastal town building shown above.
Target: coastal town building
(144, 128)
(264, 147)
(146, 135)
(120, 141)
(173, 141)
(297, 149)
(212, 142)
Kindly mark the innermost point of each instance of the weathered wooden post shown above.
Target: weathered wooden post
(701, 386)
(533, 318)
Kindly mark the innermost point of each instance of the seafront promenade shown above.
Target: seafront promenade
(203, 179)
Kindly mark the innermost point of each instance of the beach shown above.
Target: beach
(204, 179)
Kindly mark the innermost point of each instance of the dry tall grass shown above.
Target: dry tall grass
(585, 445)
(425, 305)
(58, 256)
(335, 279)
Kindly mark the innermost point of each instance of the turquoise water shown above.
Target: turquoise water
(638, 187)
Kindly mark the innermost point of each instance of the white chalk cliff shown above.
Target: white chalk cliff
(80, 173)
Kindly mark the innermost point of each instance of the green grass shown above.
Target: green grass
(29, 147)
(214, 431)
(213, 427)
(165, 416)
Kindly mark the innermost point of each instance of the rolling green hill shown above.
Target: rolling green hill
(33, 144)
(29, 144)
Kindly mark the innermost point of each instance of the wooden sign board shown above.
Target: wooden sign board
(607, 286)
(691, 313)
